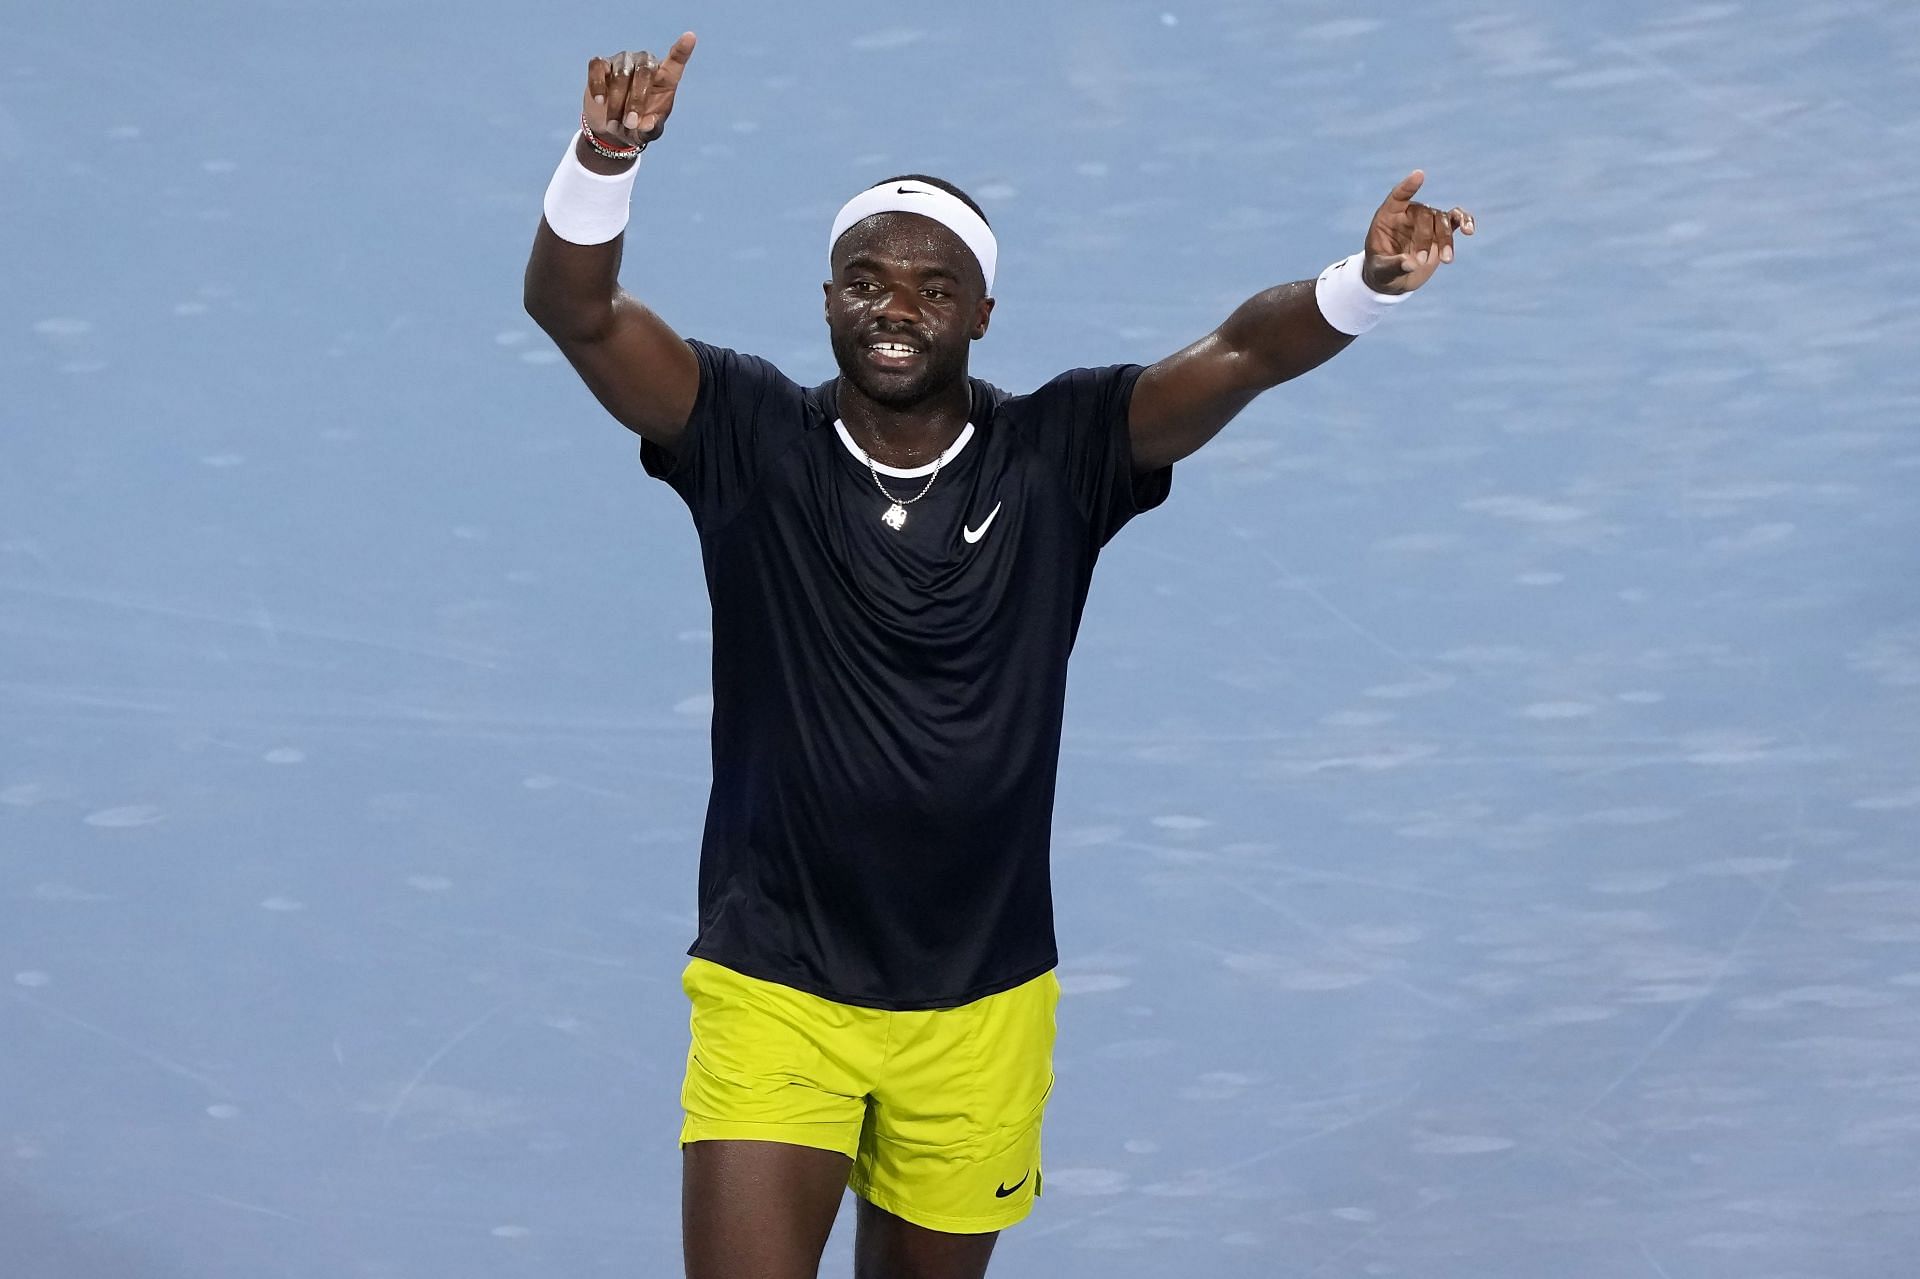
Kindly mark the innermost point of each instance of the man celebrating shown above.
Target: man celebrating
(897, 561)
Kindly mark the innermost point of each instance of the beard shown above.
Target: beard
(939, 370)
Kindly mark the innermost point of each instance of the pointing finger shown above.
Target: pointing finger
(1408, 188)
(666, 82)
(656, 101)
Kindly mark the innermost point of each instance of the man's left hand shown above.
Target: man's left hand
(1408, 242)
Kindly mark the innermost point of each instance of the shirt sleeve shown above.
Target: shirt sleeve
(737, 416)
(1080, 420)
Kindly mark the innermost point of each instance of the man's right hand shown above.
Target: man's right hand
(630, 95)
(632, 361)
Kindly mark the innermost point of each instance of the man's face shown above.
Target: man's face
(906, 298)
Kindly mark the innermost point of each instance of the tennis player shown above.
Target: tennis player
(897, 561)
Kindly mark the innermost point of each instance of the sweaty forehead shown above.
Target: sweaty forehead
(911, 241)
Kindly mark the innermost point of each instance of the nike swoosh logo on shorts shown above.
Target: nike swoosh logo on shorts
(975, 534)
(1006, 1190)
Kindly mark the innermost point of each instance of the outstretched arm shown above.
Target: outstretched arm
(1184, 400)
(629, 358)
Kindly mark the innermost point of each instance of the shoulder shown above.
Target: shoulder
(723, 364)
(741, 387)
(987, 400)
(1076, 393)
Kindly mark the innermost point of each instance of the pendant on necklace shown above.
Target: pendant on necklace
(896, 517)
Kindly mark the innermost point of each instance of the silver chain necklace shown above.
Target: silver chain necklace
(896, 514)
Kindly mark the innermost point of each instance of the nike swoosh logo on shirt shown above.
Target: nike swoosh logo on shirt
(975, 534)
(1003, 1190)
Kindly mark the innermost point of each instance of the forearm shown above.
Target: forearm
(570, 287)
(1277, 335)
(1184, 400)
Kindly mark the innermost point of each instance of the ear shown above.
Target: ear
(826, 298)
(982, 318)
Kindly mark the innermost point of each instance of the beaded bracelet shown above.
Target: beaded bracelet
(601, 148)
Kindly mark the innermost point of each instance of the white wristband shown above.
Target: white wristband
(584, 207)
(1346, 301)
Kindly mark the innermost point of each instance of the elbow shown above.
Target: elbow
(540, 304)
(535, 302)
(539, 311)
(566, 325)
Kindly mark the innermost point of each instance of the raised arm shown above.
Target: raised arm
(633, 363)
(1184, 400)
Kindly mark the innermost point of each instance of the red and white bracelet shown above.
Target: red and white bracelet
(601, 148)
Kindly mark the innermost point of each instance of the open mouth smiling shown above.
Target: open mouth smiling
(892, 352)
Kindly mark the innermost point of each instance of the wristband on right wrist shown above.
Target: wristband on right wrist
(584, 207)
(1346, 301)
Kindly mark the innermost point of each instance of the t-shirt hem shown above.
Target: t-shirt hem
(759, 972)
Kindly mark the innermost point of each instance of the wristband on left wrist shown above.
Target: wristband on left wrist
(1346, 301)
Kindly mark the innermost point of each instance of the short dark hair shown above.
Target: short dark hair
(943, 184)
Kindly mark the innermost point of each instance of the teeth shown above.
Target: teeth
(893, 348)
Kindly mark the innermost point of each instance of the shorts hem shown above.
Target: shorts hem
(814, 1136)
(943, 1003)
(1010, 1216)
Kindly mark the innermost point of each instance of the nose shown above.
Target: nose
(901, 305)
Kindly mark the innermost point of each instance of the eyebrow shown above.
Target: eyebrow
(867, 262)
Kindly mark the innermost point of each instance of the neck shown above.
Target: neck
(906, 437)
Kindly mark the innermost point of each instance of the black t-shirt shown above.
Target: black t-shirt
(887, 703)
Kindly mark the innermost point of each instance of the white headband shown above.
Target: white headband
(909, 196)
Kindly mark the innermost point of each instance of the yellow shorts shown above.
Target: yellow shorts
(939, 1111)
